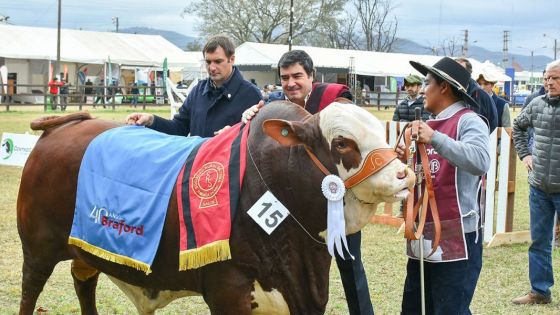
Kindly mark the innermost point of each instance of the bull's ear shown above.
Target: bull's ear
(283, 131)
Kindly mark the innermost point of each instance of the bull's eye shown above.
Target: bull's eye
(340, 144)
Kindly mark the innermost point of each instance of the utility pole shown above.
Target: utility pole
(291, 22)
(58, 39)
(352, 77)
(505, 57)
(116, 22)
(466, 44)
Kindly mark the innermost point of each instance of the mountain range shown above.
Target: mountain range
(520, 62)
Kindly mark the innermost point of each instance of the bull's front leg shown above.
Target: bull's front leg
(227, 290)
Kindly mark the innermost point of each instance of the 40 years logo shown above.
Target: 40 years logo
(7, 148)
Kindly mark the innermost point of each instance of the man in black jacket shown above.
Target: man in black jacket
(405, 110)
(486, 107)
(214, 102)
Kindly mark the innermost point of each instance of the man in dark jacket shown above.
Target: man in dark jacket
(296, 72)
(405, 110)
(486, 107)
(487, 81)
(544, 174)
(213, 103)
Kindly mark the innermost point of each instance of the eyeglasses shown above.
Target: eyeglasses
(551, 78)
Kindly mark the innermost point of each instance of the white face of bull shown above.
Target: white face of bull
(352, 133)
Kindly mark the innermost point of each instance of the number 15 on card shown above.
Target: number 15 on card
(268, 212)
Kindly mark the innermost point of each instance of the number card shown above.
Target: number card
(268, 212)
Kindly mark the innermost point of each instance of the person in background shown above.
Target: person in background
(543, 169)
(88, 90)
(135, 92)
(405, 110)
(487, 82)
(213, 103)
(64, 87)
(457, 141)
(297, 73)
(484, 104)
(153, 88)
(54, 86)
(99, 94)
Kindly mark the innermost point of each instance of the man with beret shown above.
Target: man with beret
(405, 110)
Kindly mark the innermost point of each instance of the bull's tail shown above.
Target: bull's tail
(47, 122)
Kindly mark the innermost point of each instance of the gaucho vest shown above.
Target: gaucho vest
(452, 244)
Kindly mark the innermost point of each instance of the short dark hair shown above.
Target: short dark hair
(219, 41)
(468, 64)
(297, 56)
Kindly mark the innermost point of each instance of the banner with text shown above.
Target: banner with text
(16, 148)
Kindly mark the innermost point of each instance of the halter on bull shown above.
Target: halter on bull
(287, 268)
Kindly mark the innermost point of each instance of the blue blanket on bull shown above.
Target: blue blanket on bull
(124, 185)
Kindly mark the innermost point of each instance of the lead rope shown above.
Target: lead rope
(268, 188)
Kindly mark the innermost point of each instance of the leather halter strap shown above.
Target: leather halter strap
(427, 196)
(316, 161)
(373, 163)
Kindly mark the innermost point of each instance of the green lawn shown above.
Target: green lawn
(503, 277)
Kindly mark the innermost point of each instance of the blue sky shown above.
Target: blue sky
(426, 22)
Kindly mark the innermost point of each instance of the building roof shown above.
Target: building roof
(258, 56)
(23, 42)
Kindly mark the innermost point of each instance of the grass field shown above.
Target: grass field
(504, 273)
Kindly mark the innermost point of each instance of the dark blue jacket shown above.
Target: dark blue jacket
(208, 109)
(500, 104)
(486, 106)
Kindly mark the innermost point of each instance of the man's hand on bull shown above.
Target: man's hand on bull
(140, 119)
(221, 130)
(249, 113)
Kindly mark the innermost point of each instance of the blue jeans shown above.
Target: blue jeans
(449, 287)
(542, 208)
(353, 277)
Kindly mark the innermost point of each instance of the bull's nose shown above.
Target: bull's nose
(402, 173)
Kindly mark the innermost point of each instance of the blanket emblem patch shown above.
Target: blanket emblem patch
(206, 183)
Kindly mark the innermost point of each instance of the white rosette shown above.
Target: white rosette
(334, 190)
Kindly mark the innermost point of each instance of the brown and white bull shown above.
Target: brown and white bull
(282, 273)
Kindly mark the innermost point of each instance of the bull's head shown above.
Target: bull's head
(352, 134)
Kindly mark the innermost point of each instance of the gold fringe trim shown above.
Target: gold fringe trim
(202, 256)
(107, 255)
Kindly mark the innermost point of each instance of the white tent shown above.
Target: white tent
(22, 42)
(263, 57)
(195, 69)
